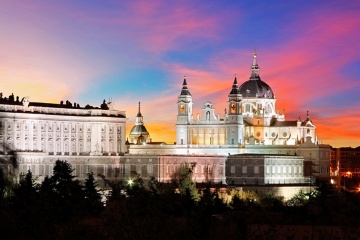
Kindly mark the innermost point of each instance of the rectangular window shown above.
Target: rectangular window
(100, 169)
(244, 169)
(150, 169)
(256, 169)
(117, 172)
(138, 169)
(267, 169)
(127, 168)
(232, 169)
(41, 170)
(273, 169)
(108, 173)
(167, 169)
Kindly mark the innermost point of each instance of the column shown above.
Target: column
(115, 140)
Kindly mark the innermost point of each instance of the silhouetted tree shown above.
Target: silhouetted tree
(92, 195)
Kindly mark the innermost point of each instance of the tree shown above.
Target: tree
(92, 196)
(186, 183)
(27, 186)
(8, 167)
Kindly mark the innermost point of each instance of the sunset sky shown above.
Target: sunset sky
(138, 51)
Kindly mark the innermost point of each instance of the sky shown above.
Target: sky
(85, 51)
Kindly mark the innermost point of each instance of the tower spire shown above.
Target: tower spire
(139, 113)
(255, 68)
(235, 87)
(185, 90)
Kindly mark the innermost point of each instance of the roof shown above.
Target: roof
(185, 90)
(256, 88)
(284, 124)
(139, 130)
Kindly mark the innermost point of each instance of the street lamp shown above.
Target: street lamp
(130, 182)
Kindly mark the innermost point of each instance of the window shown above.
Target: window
(244, 169)
(256, 169)
(182, 108)
(150, 169)
(232, 170)
(138, 169)
(207, 116)
(232, 108)
(127, 168)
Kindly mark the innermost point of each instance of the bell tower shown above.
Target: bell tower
(234, 102)
(235, 118)
(184, 117)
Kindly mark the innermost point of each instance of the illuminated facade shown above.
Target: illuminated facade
(250, 125)
(249, 119)
(139, 134)
(92, 139)
(346, 161)
(41, 133)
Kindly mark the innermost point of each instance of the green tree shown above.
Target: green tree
(186, 184)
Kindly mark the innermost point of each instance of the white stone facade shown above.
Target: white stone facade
(249, 125)
(59, 130)
(250, 118)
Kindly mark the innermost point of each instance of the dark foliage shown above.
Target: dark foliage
(63, 208)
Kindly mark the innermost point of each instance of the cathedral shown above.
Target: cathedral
(250, 118)
(250, 143)
(250, 125)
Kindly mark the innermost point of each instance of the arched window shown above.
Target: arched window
(232, 108)
(207, 116)
(182, 108)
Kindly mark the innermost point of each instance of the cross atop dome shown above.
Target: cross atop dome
(139, 113)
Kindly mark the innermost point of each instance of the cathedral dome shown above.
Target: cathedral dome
(139, 133)
(139, 130)
(254, 87)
